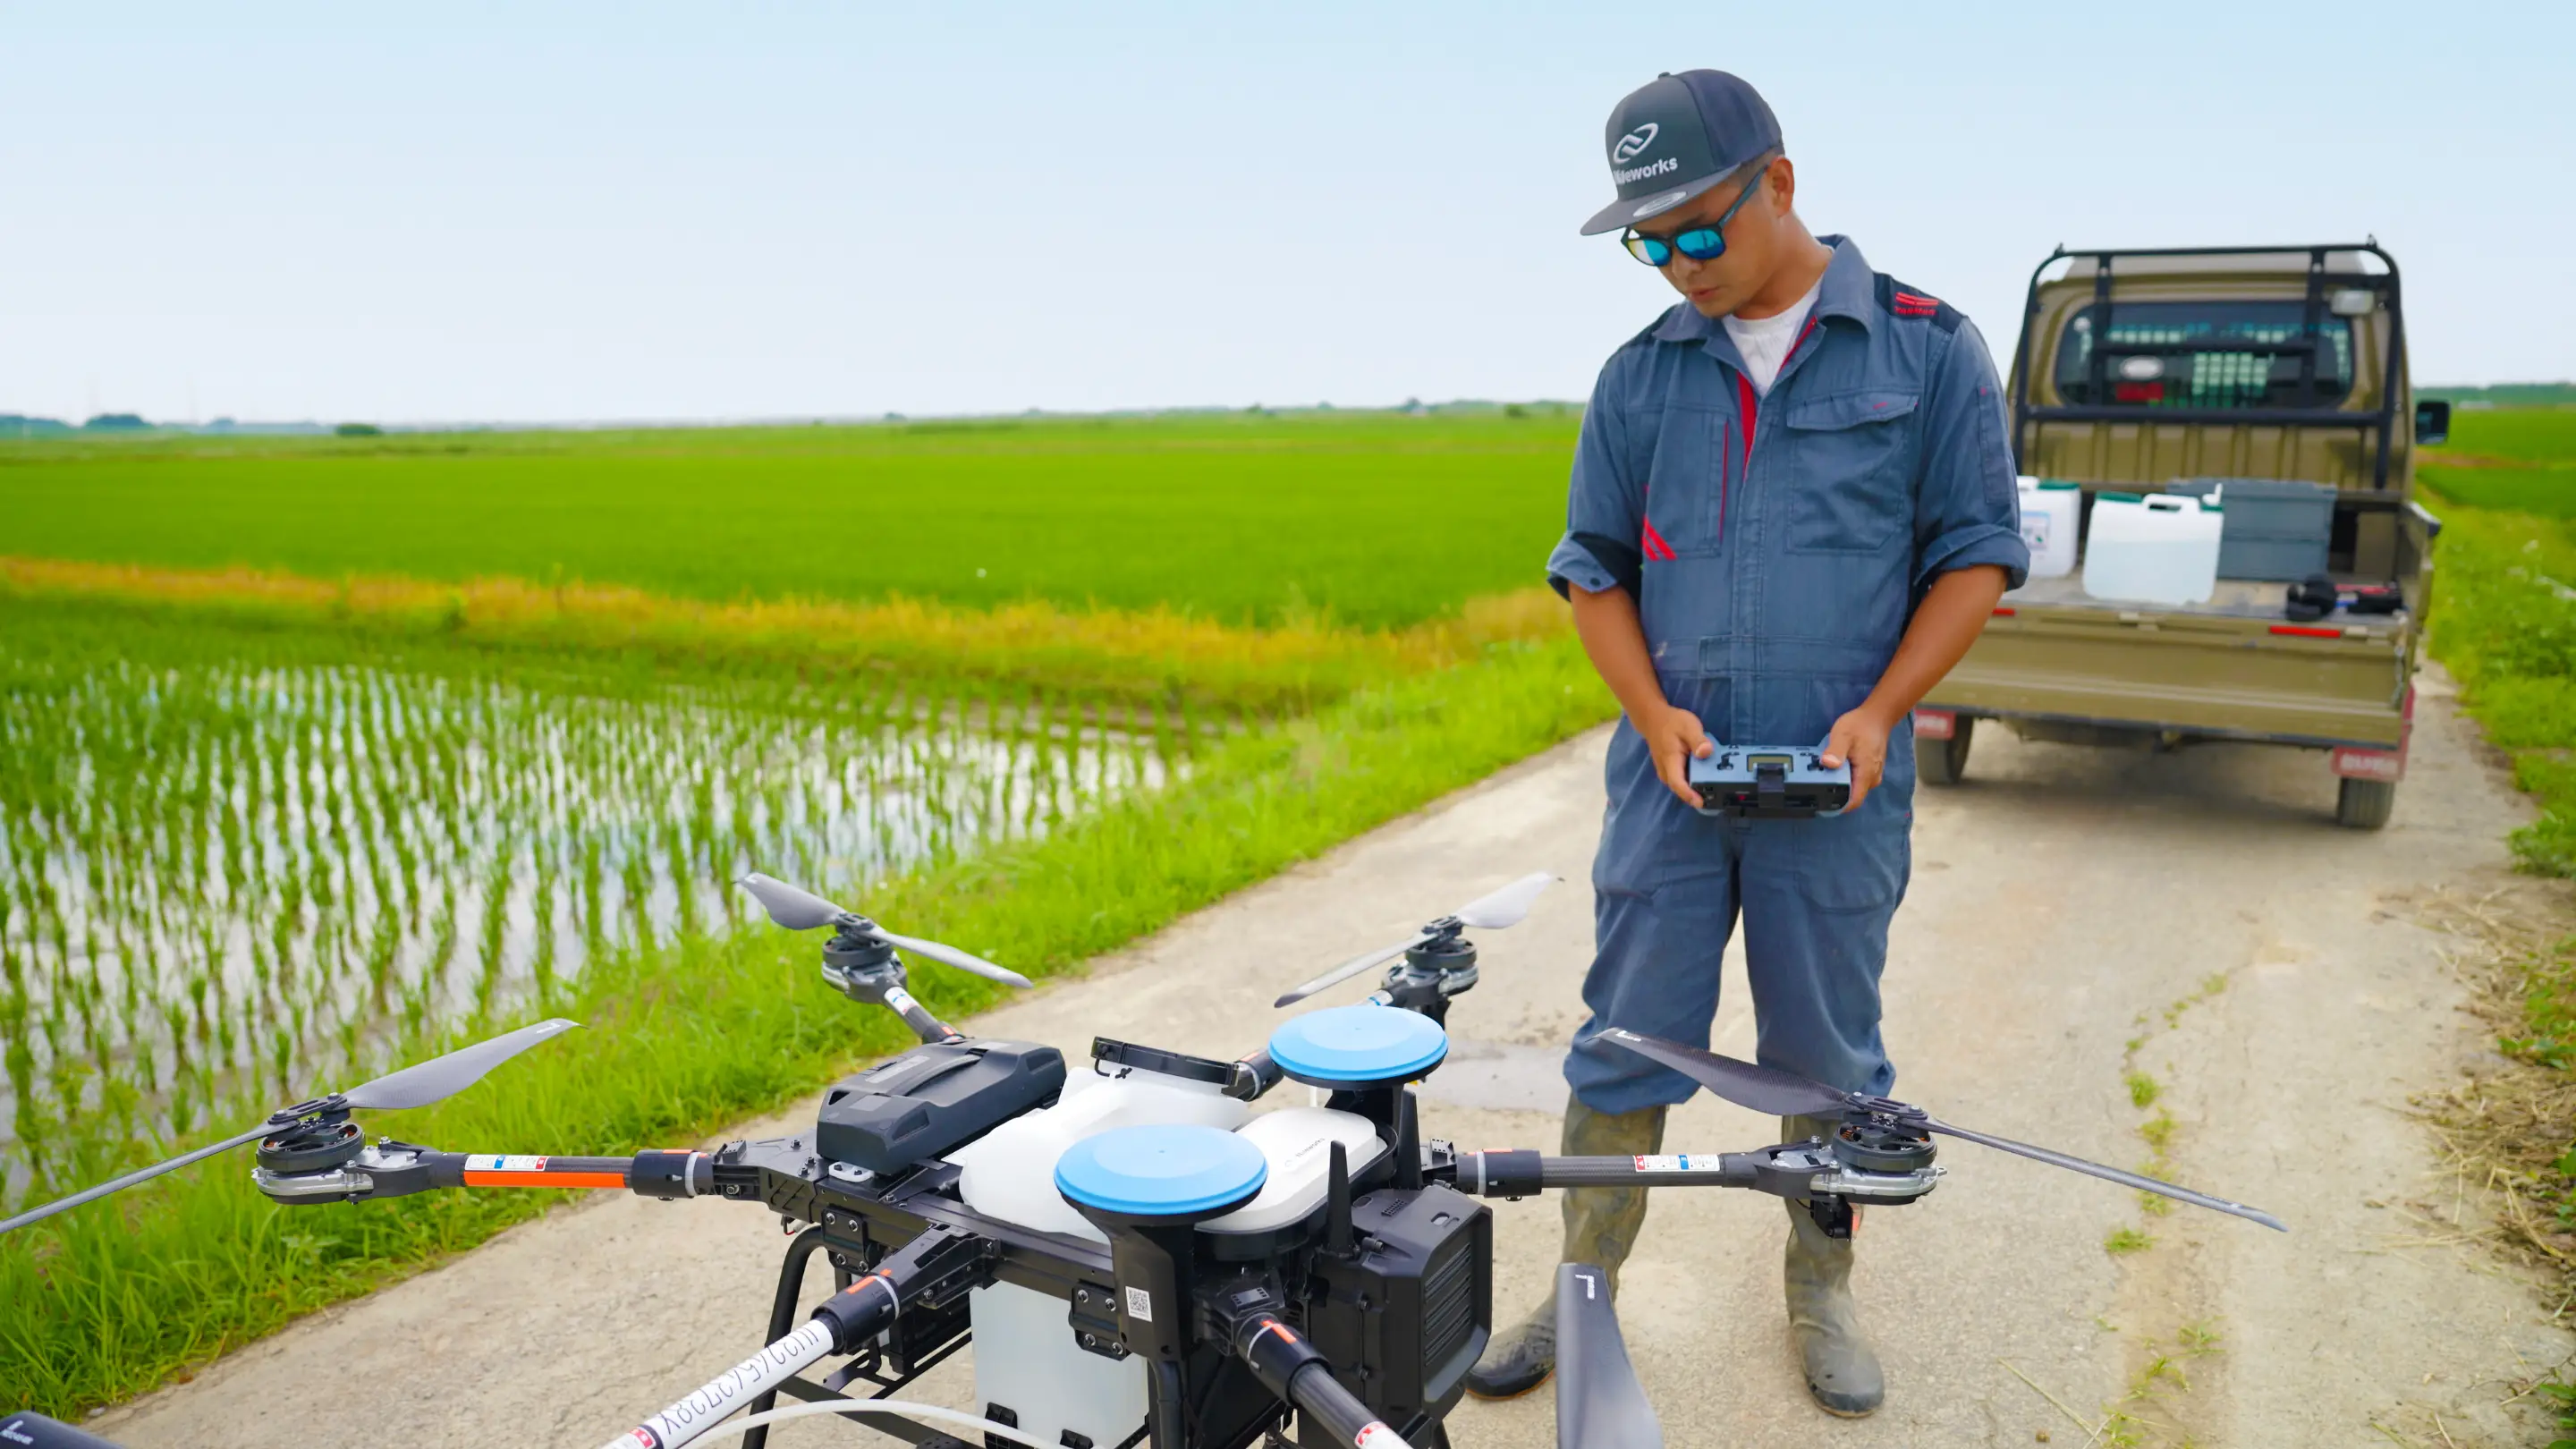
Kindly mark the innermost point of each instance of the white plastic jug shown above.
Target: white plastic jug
(2159, 549)
(2052, 515)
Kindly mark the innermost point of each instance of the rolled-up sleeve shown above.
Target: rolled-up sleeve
(1967, 509)
(1605, 500)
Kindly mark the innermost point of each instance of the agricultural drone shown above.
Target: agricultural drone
(1143, 1258)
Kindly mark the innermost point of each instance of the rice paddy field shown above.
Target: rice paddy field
(318, 756)
(1376, 519)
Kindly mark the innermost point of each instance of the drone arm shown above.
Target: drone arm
(1298, 1373)
(933, 1270)
(397, 1169)
(917, 1016)
(1252, 1076)
(1519, 1173)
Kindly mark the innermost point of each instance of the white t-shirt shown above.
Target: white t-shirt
(1765, 341)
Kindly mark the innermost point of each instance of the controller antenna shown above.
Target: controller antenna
(1408, 1143)
(1337, 1204)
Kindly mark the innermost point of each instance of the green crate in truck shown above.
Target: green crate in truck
(2276, 528)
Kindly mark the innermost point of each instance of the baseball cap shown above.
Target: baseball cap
(1675, 137)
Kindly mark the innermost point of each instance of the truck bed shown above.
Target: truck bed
(2235, 599)
(2235, 667)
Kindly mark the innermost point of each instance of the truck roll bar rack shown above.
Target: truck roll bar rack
(2027, 419)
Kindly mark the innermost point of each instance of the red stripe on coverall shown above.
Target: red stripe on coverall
(1652, 545)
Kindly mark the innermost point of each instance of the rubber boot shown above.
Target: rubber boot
(1842, 1370)
(1601, 1225)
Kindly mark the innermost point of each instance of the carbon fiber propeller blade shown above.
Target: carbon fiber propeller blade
(1763, 1089)
(950, 955)
(1598, 1398)
(1786, 1094)
(93, 1194)
(1501, 909)
(2112, 1174)
(434, 1080)
(1349, 969)
(789, 906)
(440, 1078)
(1506, 907)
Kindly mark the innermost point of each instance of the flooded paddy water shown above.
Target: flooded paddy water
(229, 877)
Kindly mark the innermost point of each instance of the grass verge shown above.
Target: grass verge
(113, 1299)
(2504, 624)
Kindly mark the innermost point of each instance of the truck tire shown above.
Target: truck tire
(1945, 762)
(2364, 804)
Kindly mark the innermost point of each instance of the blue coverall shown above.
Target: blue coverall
(1777, 547)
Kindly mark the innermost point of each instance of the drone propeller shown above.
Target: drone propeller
(802, 910)
(1504, 908)
(1598, 1398)
(434, 1080)
(1786, 1094)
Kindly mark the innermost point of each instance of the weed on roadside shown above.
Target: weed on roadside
(2506, 1133)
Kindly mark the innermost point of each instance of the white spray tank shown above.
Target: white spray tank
(2051, 518)
(1026, 1358)
(2158, 549)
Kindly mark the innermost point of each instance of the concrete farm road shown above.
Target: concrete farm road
(2272, 971)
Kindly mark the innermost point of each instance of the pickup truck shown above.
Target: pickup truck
(2138, 368)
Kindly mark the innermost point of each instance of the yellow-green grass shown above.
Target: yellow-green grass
(112, 1299)
(1153, 655)
(1371, 519)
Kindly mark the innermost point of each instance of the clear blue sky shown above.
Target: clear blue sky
(515, 212)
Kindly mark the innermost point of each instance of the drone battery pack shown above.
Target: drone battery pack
(933, 1100)
(1770, 782)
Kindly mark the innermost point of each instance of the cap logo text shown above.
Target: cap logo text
(1634, 144)
(1640, 173)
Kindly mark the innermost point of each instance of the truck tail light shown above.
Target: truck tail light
(2355, 763)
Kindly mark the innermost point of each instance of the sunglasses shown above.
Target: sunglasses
(1700, 243)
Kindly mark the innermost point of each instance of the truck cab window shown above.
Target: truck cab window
(2202, 354)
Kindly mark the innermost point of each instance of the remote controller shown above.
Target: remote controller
(1770, 782)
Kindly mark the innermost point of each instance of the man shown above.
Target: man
(1792, 510)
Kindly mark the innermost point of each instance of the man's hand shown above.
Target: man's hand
(1859, 737)
(1673, 738)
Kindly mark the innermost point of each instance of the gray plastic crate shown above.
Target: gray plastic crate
(2275, 529)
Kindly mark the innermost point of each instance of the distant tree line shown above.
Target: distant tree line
(19, 425)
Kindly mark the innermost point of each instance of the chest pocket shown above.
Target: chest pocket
(1686, 485)
(1852, 455)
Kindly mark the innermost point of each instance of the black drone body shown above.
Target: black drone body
(1338, 1296)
